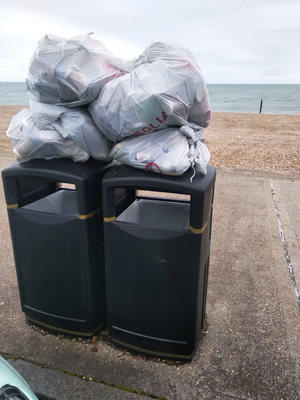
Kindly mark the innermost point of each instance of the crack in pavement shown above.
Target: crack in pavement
(285, 247)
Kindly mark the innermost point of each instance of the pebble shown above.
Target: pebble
(94, 339)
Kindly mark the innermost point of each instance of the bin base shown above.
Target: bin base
(185, 357)
(55, 329)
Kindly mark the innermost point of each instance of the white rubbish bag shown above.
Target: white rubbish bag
(70, 71)
(200, 114)
(165, 89)
(72, 123)
(29, 142)
(170, 151)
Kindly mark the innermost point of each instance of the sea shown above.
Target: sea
(237, 98)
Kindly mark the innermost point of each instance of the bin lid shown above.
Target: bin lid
(59, 169)
(129, 177)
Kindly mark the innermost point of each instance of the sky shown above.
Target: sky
(234, 41)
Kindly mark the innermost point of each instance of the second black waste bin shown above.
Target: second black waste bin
(157, 259)
(57, 236)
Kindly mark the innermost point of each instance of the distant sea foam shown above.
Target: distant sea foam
(277, 99)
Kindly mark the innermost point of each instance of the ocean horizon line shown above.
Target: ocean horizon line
(280, 98)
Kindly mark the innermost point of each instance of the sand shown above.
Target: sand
(240, 141)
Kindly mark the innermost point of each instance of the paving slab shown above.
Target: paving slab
(249, 347)
(63, 386)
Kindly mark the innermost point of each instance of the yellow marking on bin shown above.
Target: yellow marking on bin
(89, 215)
(198, 231)
(109, 219)
(12, 205)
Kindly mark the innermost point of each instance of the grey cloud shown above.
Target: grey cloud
(233, 41)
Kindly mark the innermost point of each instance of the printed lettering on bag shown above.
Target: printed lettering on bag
(150, 128)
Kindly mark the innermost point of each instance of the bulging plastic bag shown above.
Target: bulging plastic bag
(170, 151)
(74, 123)
(165, 89)
(200, 114)
(29, 142)
(70, 71)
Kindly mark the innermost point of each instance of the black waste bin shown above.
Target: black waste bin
(57, 236)
(157, 259)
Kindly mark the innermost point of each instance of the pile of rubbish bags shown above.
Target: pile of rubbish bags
(148, 112)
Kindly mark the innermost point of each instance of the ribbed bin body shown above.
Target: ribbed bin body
(57, 236)
(157, 259)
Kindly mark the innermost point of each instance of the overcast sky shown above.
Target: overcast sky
(234, 41)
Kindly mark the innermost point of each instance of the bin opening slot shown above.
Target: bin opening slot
(62, 202)
(64, 185)
(166, 195)
(123, 198)
(30, 189)
(157, 213)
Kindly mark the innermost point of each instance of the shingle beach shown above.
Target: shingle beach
(269, 142)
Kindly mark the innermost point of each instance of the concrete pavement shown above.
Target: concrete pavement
(250, 347)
